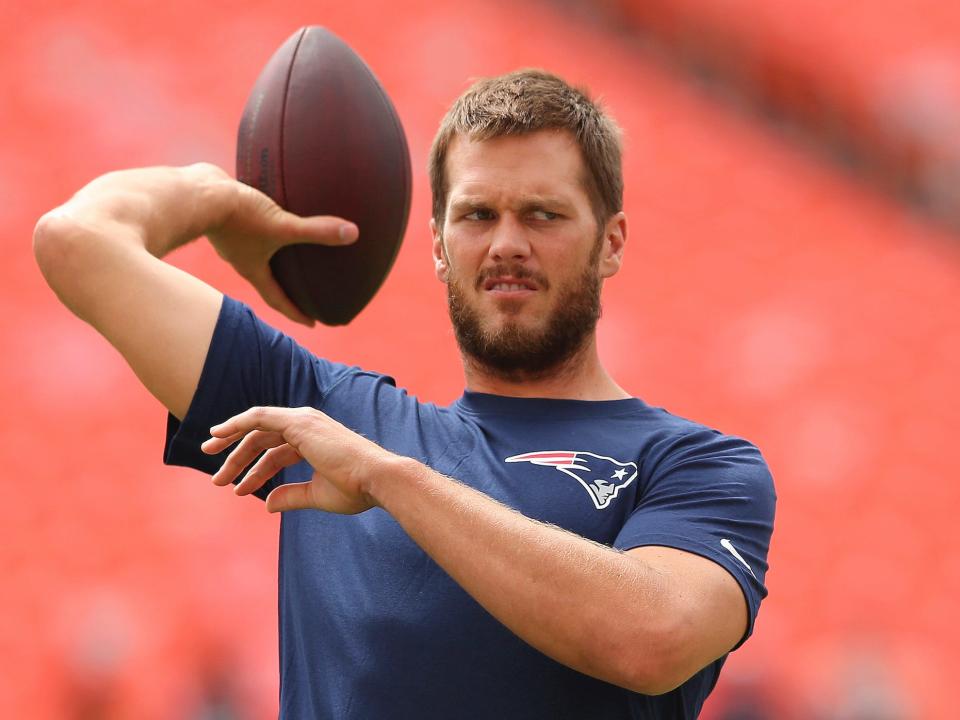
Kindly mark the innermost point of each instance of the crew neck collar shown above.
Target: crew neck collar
(478, 403)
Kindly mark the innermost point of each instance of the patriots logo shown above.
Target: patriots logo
(602, 477)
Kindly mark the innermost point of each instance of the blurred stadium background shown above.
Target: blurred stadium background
(793, 276)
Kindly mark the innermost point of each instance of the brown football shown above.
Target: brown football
(320, 136)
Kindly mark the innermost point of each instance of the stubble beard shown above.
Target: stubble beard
(514, 352)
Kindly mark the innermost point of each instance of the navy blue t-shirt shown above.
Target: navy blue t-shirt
(372, 627)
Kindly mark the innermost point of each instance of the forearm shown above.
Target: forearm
(587, 606)
(646, 619)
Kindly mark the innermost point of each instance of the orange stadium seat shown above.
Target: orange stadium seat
(879, 82)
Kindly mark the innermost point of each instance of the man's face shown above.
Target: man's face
(521, 253)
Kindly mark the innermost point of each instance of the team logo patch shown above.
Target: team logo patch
(602, 477)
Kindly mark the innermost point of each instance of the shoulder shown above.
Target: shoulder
(705, 492)
(240, 329)
(675, 440)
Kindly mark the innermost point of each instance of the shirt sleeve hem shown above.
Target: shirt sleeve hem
(183, 438)
(741, 574)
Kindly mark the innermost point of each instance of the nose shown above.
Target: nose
(508, 240)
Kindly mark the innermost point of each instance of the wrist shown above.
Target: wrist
(390, 478)
(162, 207)
(211, 195)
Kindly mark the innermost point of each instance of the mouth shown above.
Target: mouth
(509, 284)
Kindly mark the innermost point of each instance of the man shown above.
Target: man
(545, 547)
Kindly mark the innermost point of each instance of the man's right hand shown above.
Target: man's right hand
(101, 250)
(258, 227)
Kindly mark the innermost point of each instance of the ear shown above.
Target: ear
(439, 253)
(614, 240)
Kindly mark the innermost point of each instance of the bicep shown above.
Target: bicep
(708, 606)
(158, 317)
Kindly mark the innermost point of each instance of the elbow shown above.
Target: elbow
(56, 239)
(657, 663)
(655, 683)
(649, 677)
(49, 241)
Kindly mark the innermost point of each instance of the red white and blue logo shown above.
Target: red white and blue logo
(602, 477)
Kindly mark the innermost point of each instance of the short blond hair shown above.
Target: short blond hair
(526, 101)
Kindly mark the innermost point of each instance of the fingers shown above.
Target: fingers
(276, 298)
(244, 454)
(217, 445)
(288, 435)
(272, 462)
(272, 419)
(323, 230)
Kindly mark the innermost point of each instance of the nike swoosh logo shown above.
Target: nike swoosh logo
(728, 546)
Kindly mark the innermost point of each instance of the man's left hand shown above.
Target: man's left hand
(343, 461)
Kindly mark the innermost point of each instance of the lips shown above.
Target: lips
(507, 279)
(508, 284)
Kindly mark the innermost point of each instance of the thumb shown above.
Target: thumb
(319, 229)
(293, 496)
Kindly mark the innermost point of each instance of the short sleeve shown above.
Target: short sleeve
(248, 363)
(712, 495)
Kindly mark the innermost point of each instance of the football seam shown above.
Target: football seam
(283, 117)
(304, 302)
(407, 174)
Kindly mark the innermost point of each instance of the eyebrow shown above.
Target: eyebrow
(527, 203)
(467, 203)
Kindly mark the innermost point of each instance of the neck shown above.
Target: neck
(581, 377)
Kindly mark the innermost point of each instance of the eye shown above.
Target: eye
(544, 215)
(480, 214)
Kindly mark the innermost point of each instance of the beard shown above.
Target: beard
(514, 352)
